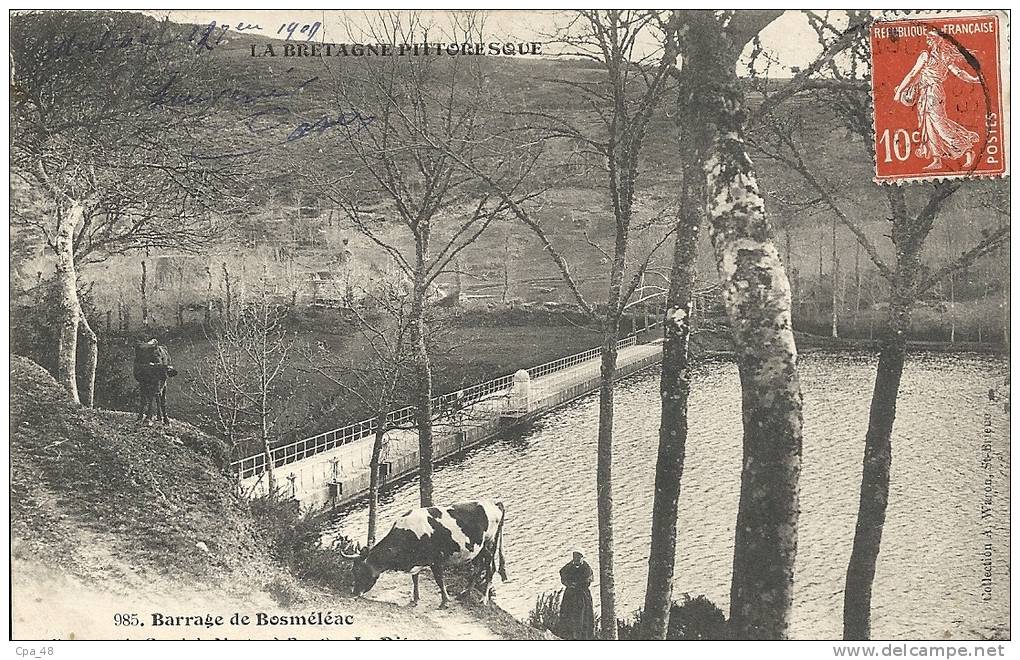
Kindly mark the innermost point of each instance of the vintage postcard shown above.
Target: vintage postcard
(511, 325)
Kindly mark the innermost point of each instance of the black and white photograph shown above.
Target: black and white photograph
(506, 324)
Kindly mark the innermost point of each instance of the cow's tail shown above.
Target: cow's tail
(498, 563)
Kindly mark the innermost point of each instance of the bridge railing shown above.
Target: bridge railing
(443, 406)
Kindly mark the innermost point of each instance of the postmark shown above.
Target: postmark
(937, 89)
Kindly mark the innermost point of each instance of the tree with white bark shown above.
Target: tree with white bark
(757, 299)
(108, 170)
(842, 86)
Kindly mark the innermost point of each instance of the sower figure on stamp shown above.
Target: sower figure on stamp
(924, 88)
(577, 616)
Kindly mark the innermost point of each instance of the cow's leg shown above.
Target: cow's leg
(146, 407)
(472, 575)
(486, 579)
(437, 572)
(486, 589)
(414, 588)
(464, 595)
(162, 405)
(489, 576)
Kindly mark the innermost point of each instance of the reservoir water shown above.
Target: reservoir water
(950, 456)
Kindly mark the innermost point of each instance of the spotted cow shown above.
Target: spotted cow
(437, 537)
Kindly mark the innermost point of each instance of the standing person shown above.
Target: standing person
(577, 616)
(924, 88)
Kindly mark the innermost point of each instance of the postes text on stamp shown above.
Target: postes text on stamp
(937, 92)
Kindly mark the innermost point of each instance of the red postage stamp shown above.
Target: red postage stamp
(937, 88)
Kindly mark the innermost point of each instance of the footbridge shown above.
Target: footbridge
(332, 468)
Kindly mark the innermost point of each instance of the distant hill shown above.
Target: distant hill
(246, 87)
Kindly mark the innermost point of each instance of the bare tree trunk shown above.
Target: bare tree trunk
(788, 260)
(604, 481)
(423, 403)
(373, 478)
(506, 267)
(788, 252)
(756, 294)
(857, 285)
(227, 293)
(835, 284)
(180, 295)
(757, 298)
(674, 387)
(267, 448)
(875, 481)
(91, 361)
(644, 305)
(207, 316)
(458, 283)
(908, 236)
(821, 251)
(70, 306)
(675, 382)
(143, 289)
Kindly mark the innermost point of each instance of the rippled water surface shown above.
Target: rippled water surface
(929, 574)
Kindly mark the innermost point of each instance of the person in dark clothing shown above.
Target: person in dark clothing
(152, 369)
(577, 616)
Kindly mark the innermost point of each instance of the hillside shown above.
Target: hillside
(109, 518)
(282, 189)
(292, 228)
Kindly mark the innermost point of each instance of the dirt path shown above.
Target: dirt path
(49, 604)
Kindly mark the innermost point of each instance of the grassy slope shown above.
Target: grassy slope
(106, 517)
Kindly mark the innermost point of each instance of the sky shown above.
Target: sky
(789, 39)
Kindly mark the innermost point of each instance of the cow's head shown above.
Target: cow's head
(365, 576)
(364, 573)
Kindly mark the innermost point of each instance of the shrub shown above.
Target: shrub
(546, 614)
(284, 589)
(294, 538)
(691, 619)
(696, 619)
(630, 629)
(206, 445)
